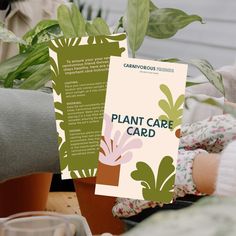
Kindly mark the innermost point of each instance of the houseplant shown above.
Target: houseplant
(30, 68)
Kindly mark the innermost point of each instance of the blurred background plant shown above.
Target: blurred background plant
(30, 68)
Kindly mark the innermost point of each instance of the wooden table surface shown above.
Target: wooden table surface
(63, 202)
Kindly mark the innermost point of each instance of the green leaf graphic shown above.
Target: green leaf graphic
(173, 110)
(161, 189)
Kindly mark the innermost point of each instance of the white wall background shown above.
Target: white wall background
(214, 41)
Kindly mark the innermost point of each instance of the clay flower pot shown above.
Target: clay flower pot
(97, 209)
(108, 175)
(29, 193)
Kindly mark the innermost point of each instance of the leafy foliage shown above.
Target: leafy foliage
(44, 31)
(161, 188)
(97, 27)
(142, 18)
(166, 22)
(172, 109)
(71, 21)
(214, 77)
(136, 28)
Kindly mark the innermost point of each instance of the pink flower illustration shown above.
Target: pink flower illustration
(117, 150)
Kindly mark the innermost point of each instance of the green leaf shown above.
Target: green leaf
(30, 36)
(152, 6)
(173, 111)
(71, 21)
(171, 60)
(101, 26)
(38, 79)
(214, 77)
(91, 30)
(36, 57)
(118, 25)
(168, 94)
(165, 180)
(144, 173)
(165, 22)
(11, 64)
(190, 83)
(137, 17)
(165, 106)
(78, 21)
(179, 102)
(161, 189)
(9, 37)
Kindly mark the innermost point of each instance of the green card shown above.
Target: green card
(79, 73)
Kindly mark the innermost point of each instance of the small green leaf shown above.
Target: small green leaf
(91, 30)
(152, 6)
(30, 36)
(168, 94)
(101, 26)
(78, 21)
(137, 18)
(165, 180)
(171, 60)
(173, 110)
(190, 83)
(214, 77)
(144, 173)
(165, 22)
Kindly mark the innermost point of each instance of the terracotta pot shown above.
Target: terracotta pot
(97, 209)
(108, 175)
(22, 194)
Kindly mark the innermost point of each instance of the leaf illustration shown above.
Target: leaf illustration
(165, 180)
(145, 175)
(173, 110)
(165, 22)
(161, 188)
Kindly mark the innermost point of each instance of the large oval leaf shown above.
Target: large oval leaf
(101, 26)
(36, 57)
(165, 22)
(71, 21)
(137, 17)
(38, 79)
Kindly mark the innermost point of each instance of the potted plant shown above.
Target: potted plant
(30, 70)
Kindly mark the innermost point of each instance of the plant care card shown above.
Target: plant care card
(79, 72)
(141, 129)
